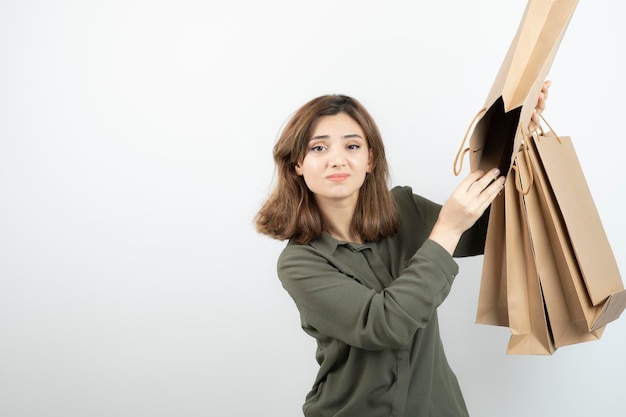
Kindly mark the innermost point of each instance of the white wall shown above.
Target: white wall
(135, 149)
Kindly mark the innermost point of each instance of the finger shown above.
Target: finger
(543, 94)
(488, 178)
(541, 102)
(471, 180)
(481, 183)
(546, 88)
(496, 186)
(541, 105)
(490, 193)
(534, 119)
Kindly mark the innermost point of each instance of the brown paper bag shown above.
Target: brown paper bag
(510, 104)
(562, 283)
(548, 272)
(562, 289)
(586, 260)
(526, 312)
(492, 305)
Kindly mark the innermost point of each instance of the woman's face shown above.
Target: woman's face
(336, 161)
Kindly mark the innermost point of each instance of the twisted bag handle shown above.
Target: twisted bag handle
(518, 176)
(558, 138)
(460, 155)
(538, 132)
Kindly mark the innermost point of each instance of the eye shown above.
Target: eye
(317, 148)
(354, 146)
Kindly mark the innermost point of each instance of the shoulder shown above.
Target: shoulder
(295, 250)
(305, 267)
(297, 257)
(410, 203)
(402, 192)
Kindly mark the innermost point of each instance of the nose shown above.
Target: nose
(337, 159)
(338, 162)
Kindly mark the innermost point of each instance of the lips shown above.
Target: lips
(338, 177)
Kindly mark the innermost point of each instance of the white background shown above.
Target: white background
(135, 149)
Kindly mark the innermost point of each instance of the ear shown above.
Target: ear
(298, 169)
(370, 162)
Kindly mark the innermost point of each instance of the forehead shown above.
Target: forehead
(340, 124)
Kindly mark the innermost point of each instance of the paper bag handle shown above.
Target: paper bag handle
(538, 129)
(460, 155)
(531, 178)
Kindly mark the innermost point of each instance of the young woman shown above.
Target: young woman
(367, 266)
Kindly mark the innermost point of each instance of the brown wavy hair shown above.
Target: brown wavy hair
(291, 212)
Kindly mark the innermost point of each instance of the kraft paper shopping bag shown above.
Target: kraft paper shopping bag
(557, 272)
(492, 305)
(588, 254)
(527, 318)
(505, 117)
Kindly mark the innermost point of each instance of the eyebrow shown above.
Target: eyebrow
(349, 136)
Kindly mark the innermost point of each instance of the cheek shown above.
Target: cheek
(310, 165)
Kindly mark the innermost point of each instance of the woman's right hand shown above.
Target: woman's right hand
(465, 206)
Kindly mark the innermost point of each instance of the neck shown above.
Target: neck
(338, 217)
(345, 236)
